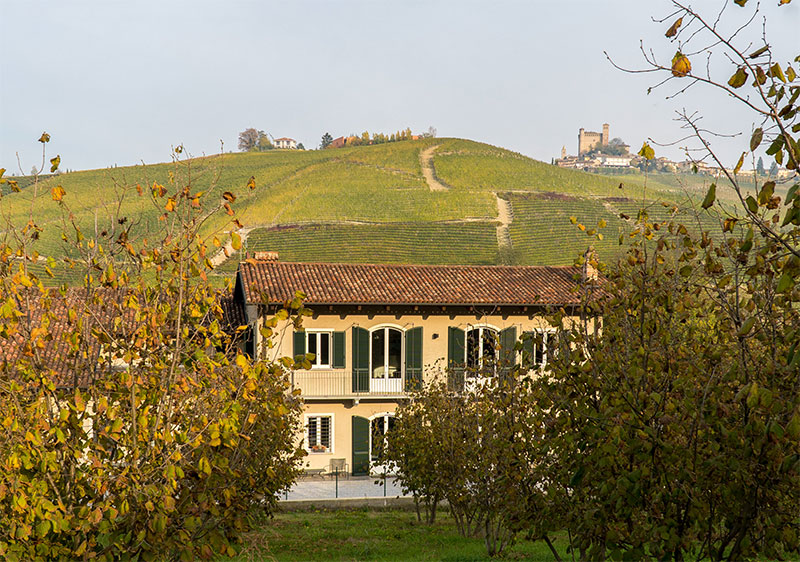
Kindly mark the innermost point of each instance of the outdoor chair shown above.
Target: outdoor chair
(339, 465)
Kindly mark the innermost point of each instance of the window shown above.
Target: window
(379, 427)
(536, 347)
(481, 349)
(319, 434)
(386, 353)
(319, 343)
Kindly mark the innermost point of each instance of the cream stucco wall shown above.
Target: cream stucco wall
(343, 408)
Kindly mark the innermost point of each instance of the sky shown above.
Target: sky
(120, 83)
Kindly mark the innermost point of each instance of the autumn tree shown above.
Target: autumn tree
(133, 425)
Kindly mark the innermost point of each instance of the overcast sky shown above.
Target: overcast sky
(120, 82)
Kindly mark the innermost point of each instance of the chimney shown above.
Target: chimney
(589, 269)
(266, 256)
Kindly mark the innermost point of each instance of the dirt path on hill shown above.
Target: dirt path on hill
(505, 215)
(426, 162)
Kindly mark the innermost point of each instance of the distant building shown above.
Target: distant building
(588, 140)
(615, 161)
(285, 142)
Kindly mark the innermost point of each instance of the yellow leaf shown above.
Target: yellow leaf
(228, 196)
(739, 164)
(57, 193)
(647, 152)
(54, 162)
(44, 138)
(681, 66)
(170, 206)
(252, 182)
(236, 241)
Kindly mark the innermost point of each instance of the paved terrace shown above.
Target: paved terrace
(327, 487)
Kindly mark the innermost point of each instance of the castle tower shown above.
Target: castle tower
(563, 152)
(580, 141)
(605, 134)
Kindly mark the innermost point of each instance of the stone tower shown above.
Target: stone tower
(563, 152)
(605, 134)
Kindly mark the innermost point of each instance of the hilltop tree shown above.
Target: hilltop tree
(760, 167)
(327, 139)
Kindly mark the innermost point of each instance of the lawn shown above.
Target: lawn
(370, 534)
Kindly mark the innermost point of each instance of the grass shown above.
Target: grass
(542, 233)
(472, 243)
(381, 185)
(369, 534)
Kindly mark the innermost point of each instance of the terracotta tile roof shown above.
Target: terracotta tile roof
(329, 283)
(54, 351)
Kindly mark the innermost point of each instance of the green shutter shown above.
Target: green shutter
(360, 444)
(413, 359)
(338, 350)
(299, 343)
(528, 340)
(508, 357)
(455, 358)
(360, 360)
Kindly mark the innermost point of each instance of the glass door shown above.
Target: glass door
(386, 358)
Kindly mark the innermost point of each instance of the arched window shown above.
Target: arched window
(386, 358)
(481, 347)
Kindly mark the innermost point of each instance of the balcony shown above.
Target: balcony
(335, 383)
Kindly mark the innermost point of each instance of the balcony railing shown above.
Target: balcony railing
(354, 383)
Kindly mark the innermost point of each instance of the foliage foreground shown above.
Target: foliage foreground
(132, 426)
(666, 424)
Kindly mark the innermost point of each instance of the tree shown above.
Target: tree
(327, 139)
(773, 170)
(133, 424)
(249, 139)
(760, 167)
(300, 146)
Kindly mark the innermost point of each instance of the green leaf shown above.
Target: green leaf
(54, 162)
(747, 326)
(792, 193)
(752, 396)
(776, 71)
(738, 79)
(647, 152)
(711, 195)
(785, 282)
(755, 140)
(577, 478)
(767, 190)
(236, 241)
(758, 52)
(752, 205)
(793, 427)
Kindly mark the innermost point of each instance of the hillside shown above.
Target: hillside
(371, 203)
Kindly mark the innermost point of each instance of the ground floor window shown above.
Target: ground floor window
(379, 427)
(319, 434)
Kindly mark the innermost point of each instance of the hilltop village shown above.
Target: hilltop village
(597, 152)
